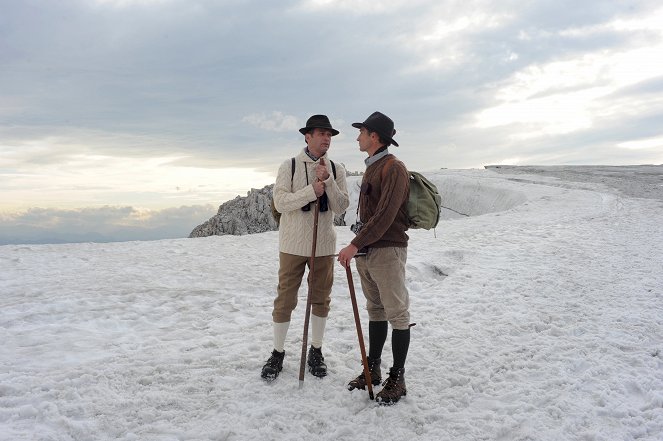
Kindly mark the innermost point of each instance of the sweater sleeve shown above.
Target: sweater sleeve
(337, 190)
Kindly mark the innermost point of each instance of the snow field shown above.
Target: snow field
(539, 317)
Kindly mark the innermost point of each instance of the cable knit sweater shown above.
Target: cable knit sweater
(296, 227)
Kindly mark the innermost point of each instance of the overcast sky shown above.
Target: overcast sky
(134, 105)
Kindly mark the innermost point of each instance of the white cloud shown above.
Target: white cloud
(651, 21)
(470, 22)
(100, 224)
(570, 94)
(275, 121)
(82, 178)
(360, 6)
(443, 38)
(564, 96)
(550, 115)
(127, 3)
(646, 144)
(166, 103)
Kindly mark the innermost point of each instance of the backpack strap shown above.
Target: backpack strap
(292, 172)
(333, 168)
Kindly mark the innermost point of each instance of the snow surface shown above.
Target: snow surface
(539, 317)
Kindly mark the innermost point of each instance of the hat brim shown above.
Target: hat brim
(360, 125)
(305, 130)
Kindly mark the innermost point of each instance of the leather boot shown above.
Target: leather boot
(316, 362)
(273, 367)
(394, 387)
(376, 375)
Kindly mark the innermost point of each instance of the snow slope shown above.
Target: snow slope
(539, 317)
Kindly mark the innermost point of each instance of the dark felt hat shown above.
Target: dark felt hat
(381, 124)
(318, 122)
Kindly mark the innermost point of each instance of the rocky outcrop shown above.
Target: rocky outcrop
(245, 215)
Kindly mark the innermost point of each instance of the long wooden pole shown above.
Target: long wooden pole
(360, 335)
(311, 266)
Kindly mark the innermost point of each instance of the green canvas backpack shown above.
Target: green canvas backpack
(424, 201)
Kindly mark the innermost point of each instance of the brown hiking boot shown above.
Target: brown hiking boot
(394, 387)
(376, 375)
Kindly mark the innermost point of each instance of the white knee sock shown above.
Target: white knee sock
(317, 330)
(280, 332)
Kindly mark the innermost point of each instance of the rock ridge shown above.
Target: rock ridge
(245, 215)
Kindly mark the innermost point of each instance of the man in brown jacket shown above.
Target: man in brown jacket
(380, 232)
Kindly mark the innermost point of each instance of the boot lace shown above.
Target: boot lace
(390, 383)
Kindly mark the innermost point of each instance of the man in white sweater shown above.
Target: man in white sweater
(298, 186)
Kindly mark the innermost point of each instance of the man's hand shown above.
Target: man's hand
(346, 255)
(321, 171)
(319, 188)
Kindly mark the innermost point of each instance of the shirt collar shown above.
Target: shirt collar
(310, 155)
(375, 158)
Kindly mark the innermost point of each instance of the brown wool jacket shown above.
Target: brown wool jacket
(383, 205)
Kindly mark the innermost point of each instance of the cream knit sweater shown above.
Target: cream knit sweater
(296, 228)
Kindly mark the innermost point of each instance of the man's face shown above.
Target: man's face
(319, 141)
(364, 139)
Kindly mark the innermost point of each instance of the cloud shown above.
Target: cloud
(647, 143)
(275, 121)
(120, 102)
(103, 224)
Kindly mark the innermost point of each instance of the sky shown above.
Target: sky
(538, 317)
(119, 112)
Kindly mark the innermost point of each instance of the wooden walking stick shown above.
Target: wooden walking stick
(360, 335)
(311, 266)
